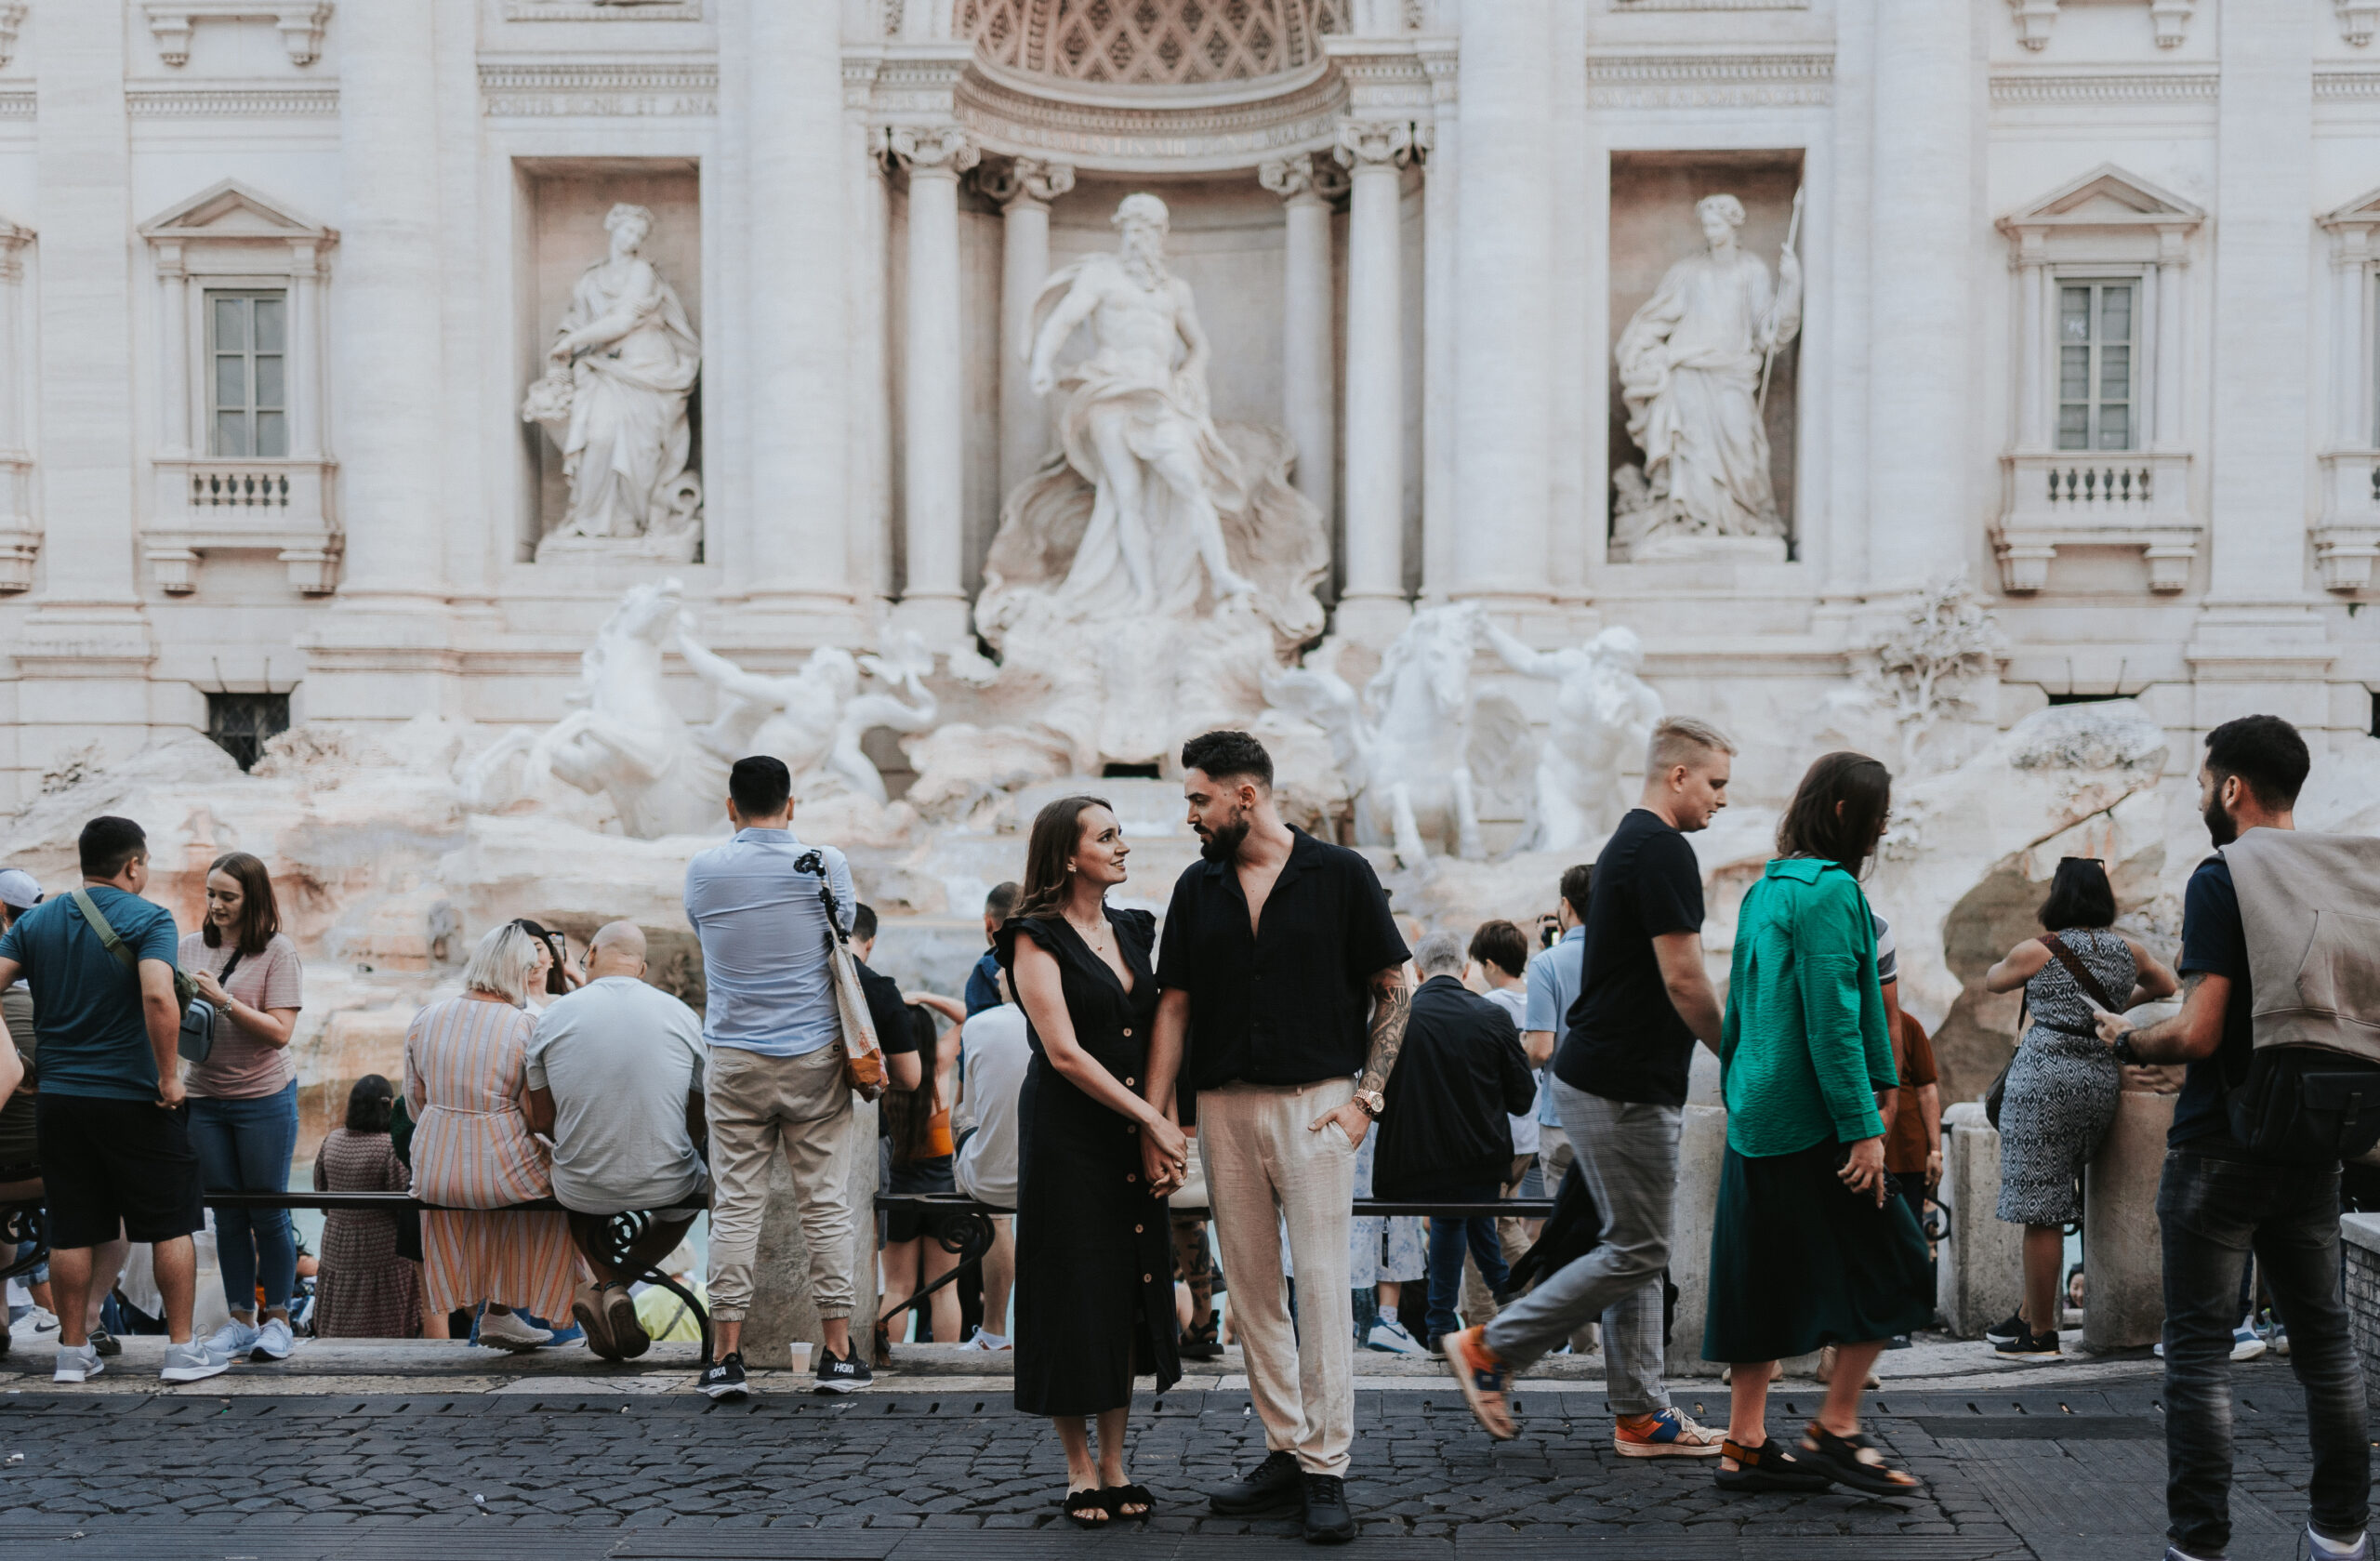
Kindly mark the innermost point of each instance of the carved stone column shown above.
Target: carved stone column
(1306, 379)
(1441, 229)
(1024, 191)
(934, 385)
(20, 541)
(1372, 607)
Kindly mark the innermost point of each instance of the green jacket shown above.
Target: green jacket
(1804, 1048)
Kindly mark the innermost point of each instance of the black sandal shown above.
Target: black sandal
(1769, 1467)
(1082, 1504)
(1202, 1344)
(1118, 1497)
(1839, 1456)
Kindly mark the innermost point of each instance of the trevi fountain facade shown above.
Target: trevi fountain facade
(436, 436)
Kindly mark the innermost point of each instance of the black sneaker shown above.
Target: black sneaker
(2001, 1332)
(2032, 1346)
(723, 1378)
(1272, 1486)
(841, 1374)
(1328, 1521)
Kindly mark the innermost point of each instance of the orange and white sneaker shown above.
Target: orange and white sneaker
(1480, 1373)
(1669, 1434)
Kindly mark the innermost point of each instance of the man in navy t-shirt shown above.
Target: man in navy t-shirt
(113, 1133)
(2217, 1197)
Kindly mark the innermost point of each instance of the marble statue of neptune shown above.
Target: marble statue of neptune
(1134, 420)
(621, 370)
(1691, 364)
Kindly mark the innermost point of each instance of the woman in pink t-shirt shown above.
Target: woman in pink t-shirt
(244, 1097)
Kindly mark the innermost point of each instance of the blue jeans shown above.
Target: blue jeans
(243, 1146)
(2213, 1212)
(1447, 1240)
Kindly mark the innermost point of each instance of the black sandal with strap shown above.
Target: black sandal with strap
(1118, 1497)
(1769, 1467)
(1839, 1456)
(1201, 1343)
(1081, 1505)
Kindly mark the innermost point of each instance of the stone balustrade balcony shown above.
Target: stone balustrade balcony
(2075, 498)
(2346, 540)
(217, 504)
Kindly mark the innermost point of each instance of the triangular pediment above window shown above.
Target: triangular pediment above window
(233, 210)
(2107, 197)
(2361, 212)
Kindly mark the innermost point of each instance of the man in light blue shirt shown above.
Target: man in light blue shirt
(1553, 986)
(775, 1078)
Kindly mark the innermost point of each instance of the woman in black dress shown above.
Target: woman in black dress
(1094, 1266)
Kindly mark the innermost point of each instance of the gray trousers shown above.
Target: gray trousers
(1628, 1153)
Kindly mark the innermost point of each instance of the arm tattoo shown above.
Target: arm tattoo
(2151, 1040)
(1391, 1006)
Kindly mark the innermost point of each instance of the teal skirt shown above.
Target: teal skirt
(1799, 1261)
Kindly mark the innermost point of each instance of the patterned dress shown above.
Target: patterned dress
(2062, 1088)
(366, 1289)
(466, 1069)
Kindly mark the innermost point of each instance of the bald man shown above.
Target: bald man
(617, 1067)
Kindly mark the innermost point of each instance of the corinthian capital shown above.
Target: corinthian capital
(1375, 141)
(933, 148)
(1288, 177)
(1029, 180)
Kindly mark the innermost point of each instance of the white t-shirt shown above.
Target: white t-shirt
(621, 1058)
(993, 1054)
(1515, 1002)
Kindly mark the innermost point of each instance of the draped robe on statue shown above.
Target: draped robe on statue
(628, 439)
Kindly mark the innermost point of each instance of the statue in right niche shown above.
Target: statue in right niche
(1693, 364)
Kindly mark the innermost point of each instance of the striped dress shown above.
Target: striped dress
(466, 1070)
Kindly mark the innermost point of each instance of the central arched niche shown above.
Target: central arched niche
(1150, 43)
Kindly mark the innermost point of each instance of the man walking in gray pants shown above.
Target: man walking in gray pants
(1620, 1085)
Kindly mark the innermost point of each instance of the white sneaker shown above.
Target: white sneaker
(233, 1340)
(34, 1323)
(983, 1341)
(197, 1360)
(77, 1363)
(505, 1330)
(274, 1341)
(1389, 1337)
(2246, 1344)
(2331, 1550)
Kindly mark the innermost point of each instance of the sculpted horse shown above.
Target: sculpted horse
(1405, 747)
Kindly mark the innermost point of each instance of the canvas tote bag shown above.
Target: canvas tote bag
(863, 1057)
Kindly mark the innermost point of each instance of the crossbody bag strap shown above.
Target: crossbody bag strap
(814, 863)
(2081, 973)
(108, 939)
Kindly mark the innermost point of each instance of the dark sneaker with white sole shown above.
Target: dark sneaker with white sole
(1273, 1486)
(842, 1374)
(723, 1378)
(2032, 1346)
(2001, 1332)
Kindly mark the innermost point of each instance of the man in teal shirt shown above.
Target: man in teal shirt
(112, 1133)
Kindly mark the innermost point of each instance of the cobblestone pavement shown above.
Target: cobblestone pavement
(2056, 1473)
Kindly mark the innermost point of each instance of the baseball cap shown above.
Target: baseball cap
(20, 888)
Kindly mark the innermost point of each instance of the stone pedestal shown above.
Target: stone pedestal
(783, 1312)
(1701, 1148)
(1983, 1263)
(2359, 1248)
(2124, 1305)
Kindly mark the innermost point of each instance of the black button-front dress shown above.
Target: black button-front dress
(1094, 1256)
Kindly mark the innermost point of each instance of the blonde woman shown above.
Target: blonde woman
(466, 1085)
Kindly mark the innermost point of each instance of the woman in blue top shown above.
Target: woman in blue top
(1810, 1246)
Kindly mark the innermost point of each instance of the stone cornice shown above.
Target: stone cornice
(2345, 87)
(597, 10)
(2035, 88)
(1148, 132)
(232, 102)
(509, 91)
(1694, 81)
(17, 105)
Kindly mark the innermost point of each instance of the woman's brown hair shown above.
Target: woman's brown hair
(1838, 811)
(909, 1113)
(1057, 830)
(260, 913)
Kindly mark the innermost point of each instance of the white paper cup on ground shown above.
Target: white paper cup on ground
(801, 1357)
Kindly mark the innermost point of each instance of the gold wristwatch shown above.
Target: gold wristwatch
(1372, 1103)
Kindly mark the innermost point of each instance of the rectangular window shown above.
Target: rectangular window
(247, 397)
(241, 723)
(2095, 334)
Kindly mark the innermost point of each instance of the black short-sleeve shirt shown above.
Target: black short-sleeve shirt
(1623, 1038)
(1288, 1002)
(2215, 942)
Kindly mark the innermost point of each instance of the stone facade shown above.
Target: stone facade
(2359, 1245)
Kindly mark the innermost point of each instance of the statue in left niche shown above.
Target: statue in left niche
(613, 397)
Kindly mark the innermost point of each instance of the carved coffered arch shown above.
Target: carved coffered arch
(1150, 43)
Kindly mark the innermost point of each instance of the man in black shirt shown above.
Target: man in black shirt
(1620, 1086)
(2217, 1199)
(1282, 977)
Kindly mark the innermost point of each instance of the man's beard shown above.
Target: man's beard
(1223, 844)
(1145, 258)
(2220, 826)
